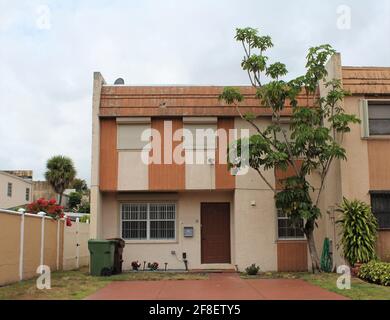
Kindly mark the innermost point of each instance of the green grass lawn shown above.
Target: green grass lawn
(360, 290)
(75, 285)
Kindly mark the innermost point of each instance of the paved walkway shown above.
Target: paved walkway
(220, 286)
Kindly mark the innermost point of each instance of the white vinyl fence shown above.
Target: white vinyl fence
(26, 242)
(76, 254)
(30, 240)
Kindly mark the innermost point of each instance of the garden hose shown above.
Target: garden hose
(326, 258)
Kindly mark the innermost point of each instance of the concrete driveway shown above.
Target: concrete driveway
(219, 286)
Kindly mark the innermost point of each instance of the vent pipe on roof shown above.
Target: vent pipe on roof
(119, 81)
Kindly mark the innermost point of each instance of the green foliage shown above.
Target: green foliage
(74, 199)
(375, 272)
(85, 218)
(359, 231)
(84, 207)
(316, 128)
(60, 173)
(231, 95)
(252, 270)
(80, 185)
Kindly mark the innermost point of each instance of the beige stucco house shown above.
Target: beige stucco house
(14, 190)
(200, 213)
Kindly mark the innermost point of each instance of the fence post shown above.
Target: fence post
(42, 214)
(77, 243)
(58, 243)
(21, 247)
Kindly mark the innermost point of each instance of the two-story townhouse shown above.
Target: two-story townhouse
(171, 195)
(14, 190)
(366, 173)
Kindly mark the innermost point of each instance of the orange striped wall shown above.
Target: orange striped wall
(223, 179)
(292, 256)
(378, 158)
(166, 176)
(108, 164)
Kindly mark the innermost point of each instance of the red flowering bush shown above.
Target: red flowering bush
(50, 207)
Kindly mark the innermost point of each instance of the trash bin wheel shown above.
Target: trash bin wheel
(106, 272)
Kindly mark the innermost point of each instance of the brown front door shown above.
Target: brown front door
(215, 222)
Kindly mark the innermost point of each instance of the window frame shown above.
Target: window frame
(279, 238)
(9, 189)
(373, 193)
(365, 118)
(148, 220)
(27, 194)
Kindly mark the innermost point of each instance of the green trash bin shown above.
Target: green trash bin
(101, 257)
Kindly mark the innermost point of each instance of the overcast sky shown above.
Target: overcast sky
(50, 49)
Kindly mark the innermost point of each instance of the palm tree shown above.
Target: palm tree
(60, 173)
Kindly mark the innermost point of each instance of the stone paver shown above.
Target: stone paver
(219, 286)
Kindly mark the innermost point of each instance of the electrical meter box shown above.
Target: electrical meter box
(188, 232)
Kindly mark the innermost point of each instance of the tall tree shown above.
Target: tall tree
(80, 185)
(313, 140)
(60, 173)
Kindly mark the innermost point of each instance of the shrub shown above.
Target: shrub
(135, 265)
(359, 231)
(84, 207)
(252, 270)
(74, 199)
(85, 218)
(153, 266)
(376, 272)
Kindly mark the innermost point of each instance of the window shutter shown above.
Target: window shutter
(365, 129)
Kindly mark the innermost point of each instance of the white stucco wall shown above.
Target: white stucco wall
(188, 214)
(19, 187)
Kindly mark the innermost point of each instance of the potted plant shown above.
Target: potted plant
(153, 266)
(252, 270)
(135, 265)
(359, 233)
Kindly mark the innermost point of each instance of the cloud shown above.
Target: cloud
(46, 73)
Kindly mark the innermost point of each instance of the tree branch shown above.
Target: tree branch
(265, 180)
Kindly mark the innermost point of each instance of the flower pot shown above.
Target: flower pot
(356, 268)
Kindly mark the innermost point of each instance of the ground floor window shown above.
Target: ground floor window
(148, 221)
(287, 229)
(380, 204)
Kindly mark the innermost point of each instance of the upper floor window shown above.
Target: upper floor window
(380, 204)
(27, 194)
(379, 118)
(130, 132)
(148, 221)
(200, 133)
(9, 189)
(287, 229)
(375, 116)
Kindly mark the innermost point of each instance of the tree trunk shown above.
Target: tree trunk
(315, 260)
(60, 199)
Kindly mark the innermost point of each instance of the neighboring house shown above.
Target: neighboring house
(200, 212)
(366, 174)
(43, 189)
(14, 191)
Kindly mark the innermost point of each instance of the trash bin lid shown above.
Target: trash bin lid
(119, 242)
(100, 241)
